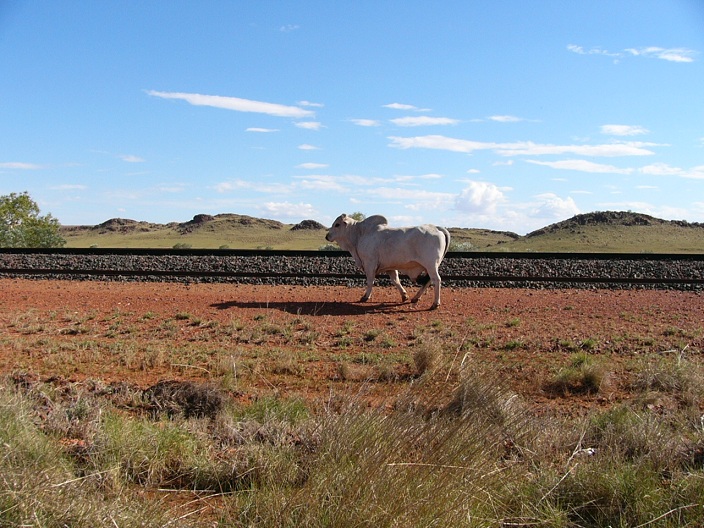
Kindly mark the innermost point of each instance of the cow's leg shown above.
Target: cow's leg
(370, 283)
(435, 280)
(393, 275)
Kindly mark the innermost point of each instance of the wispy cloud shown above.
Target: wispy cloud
(289, 210)
(423, 121)
(310, 125)
(651, 52)
(306, 146)
(131, 158)
(506, 118)
(18, 165)
(623, 130)
(416, 199)
(287, 28)
(312, 166)
(668, 54)
(309, 103)
(401, 106)
(262, 187)
(663, 169)
(521, 148)
(591, 51)
(583, 166)
(262, 130)
(235, 103)
(366, 122)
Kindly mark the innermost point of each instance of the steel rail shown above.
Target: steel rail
(497, 255)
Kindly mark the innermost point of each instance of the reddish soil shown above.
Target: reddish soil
(300, 335)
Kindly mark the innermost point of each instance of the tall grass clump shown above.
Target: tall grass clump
(41, 486)
(583, 375)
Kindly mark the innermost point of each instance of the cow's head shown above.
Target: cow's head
(338, 228)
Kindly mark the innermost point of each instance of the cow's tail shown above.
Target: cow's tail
(447, 239)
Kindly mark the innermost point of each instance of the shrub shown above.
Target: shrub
(583, 375)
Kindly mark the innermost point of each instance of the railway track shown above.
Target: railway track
(475, 269)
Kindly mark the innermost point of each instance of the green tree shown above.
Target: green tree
(21, 225)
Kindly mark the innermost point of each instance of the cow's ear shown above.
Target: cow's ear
(347, 220)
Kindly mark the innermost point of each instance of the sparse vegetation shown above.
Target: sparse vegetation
(410, 425)
(84, 454)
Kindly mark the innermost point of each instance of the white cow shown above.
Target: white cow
(377, 248)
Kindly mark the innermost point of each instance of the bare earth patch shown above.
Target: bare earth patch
(311, 342)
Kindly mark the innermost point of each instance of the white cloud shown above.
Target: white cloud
(523, 148)
(18, 165)
(479, 198)
(440, 143)
(322, 183)
(366, 122)
(652, 52)
(308, 103)
(419, 199)
(583, 166)
(623, 130)
(306, 146)
(505, 118)
(263, 130)
(235, 103)
(424, 121)
(401, 106)
(288, 210)
(593, 51)
(551, 206)
(663, 169)
(130, 158)
(310, 125)
(668, 54)
(289, 27)
(262, 187)
(311, 165)
(528, 148)
(473, 171)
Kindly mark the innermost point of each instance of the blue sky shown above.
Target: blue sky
(507, 115)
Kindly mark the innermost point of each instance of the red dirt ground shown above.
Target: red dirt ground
(526, 335)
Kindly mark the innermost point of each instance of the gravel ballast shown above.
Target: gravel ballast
(334, 268)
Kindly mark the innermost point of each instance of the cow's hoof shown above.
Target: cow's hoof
(364, 299)
(435, 306)
(404, 298)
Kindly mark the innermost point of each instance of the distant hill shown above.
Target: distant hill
(613, 232)
(610, 231)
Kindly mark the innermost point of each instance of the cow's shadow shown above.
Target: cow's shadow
(321, 308)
